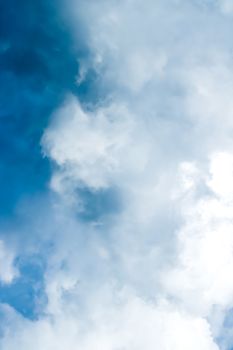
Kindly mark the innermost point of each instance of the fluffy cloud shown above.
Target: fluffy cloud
(200, 277)
(133, 325)
(156, 272)
(173, 237)
(89, 147)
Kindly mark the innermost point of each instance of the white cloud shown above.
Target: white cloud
(200, 276)
(169, 107)
(132, 325)
(90, 147)
(221, 176)
(8, 271)
(160, 137)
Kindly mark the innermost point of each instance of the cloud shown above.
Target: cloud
(89, 147)
(160, 86)
(132, 325)
(200, 274)
(8, 270)
(155, 270)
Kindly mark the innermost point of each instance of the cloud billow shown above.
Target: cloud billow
(141, 215)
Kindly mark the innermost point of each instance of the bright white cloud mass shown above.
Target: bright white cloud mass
(142, 217)
(7, 269)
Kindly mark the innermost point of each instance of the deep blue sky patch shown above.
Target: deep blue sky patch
(38, 66)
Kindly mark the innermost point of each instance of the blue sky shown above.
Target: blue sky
(34, 78)
(31, 87)
(38, 68)
(116, 175)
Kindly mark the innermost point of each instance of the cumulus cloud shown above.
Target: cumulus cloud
(200, 278)
(133, 325)
(156, 273)
(89, 147)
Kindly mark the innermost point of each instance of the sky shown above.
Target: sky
(116, 174)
